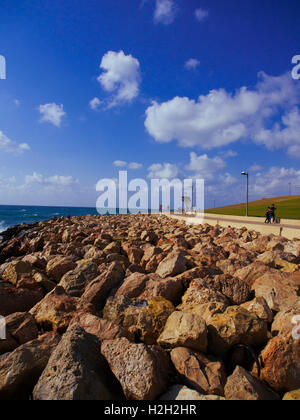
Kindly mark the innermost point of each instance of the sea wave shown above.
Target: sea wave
(3, 226)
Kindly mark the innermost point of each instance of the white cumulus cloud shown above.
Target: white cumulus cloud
(121, 77)
(135, 165)
(192, 64)
(95, 103)
(131, 165)
(275, 182)
(120, 163)
(205, 167)
(161, 171)
(201, 14)
(54, 180)
(52, 113)
(165, 11)
(221, 118)
(11, 146)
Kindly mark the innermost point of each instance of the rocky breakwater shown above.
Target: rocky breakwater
(144, 307)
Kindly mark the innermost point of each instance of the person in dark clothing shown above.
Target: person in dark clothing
(268, 215)
(273, 214)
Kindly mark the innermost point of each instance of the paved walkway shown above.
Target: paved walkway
(286, 229)
(249, 222)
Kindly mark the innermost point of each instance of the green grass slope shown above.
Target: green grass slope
(287, 208)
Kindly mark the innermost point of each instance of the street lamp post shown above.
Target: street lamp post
(247, 175)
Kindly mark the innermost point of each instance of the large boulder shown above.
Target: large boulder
(59, 266)
(204, 310)
(197, 294)
(101, 328)
(149, 253)
(148, 318)
(143, 372)
(15, 270)
(280, 290)
(205, 374)
(149, 236)
(235, 326)
(236, 290)
(75, 371)
(145, 319)
(20, 299)
(135, 254)
(20, 370)
(243, 386)
(20, 328)
(280, 362)
(254, 271)
(145, 286)
(184, 329)
(283, 323)
(98, 290)
(95, 255)
(259, 307)
(55, 311)
(75, 281)
(173, 264)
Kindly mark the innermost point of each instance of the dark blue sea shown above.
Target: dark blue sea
(15, 215)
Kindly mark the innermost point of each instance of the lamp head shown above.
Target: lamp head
(244, 173)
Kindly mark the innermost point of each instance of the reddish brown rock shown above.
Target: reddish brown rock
(199, 272)
(236, 290)
(243, 386)
(59, 266)
(20, 328)
(149, 236)
(253, 272)
(280, 290)
(149, 253)
(142, 371)
(284, 321)
(197, 294)
(75, 371)
(97, 291)
(173, 264)
(20, 370)
(101, 328)
(184, 329)
(259, 307)
(281, 363)
(135, 255)
(15, 270)
(55, 311)
(75, 281)
(203, 373)
(204, 310)
(147, 319)
(35, 261)
(235, 326)
(113, 247)
(18, 299)
(151, 285)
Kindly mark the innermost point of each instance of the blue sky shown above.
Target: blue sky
(161, 88)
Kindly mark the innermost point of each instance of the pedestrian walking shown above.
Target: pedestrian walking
(268, 215)
(273, 212)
